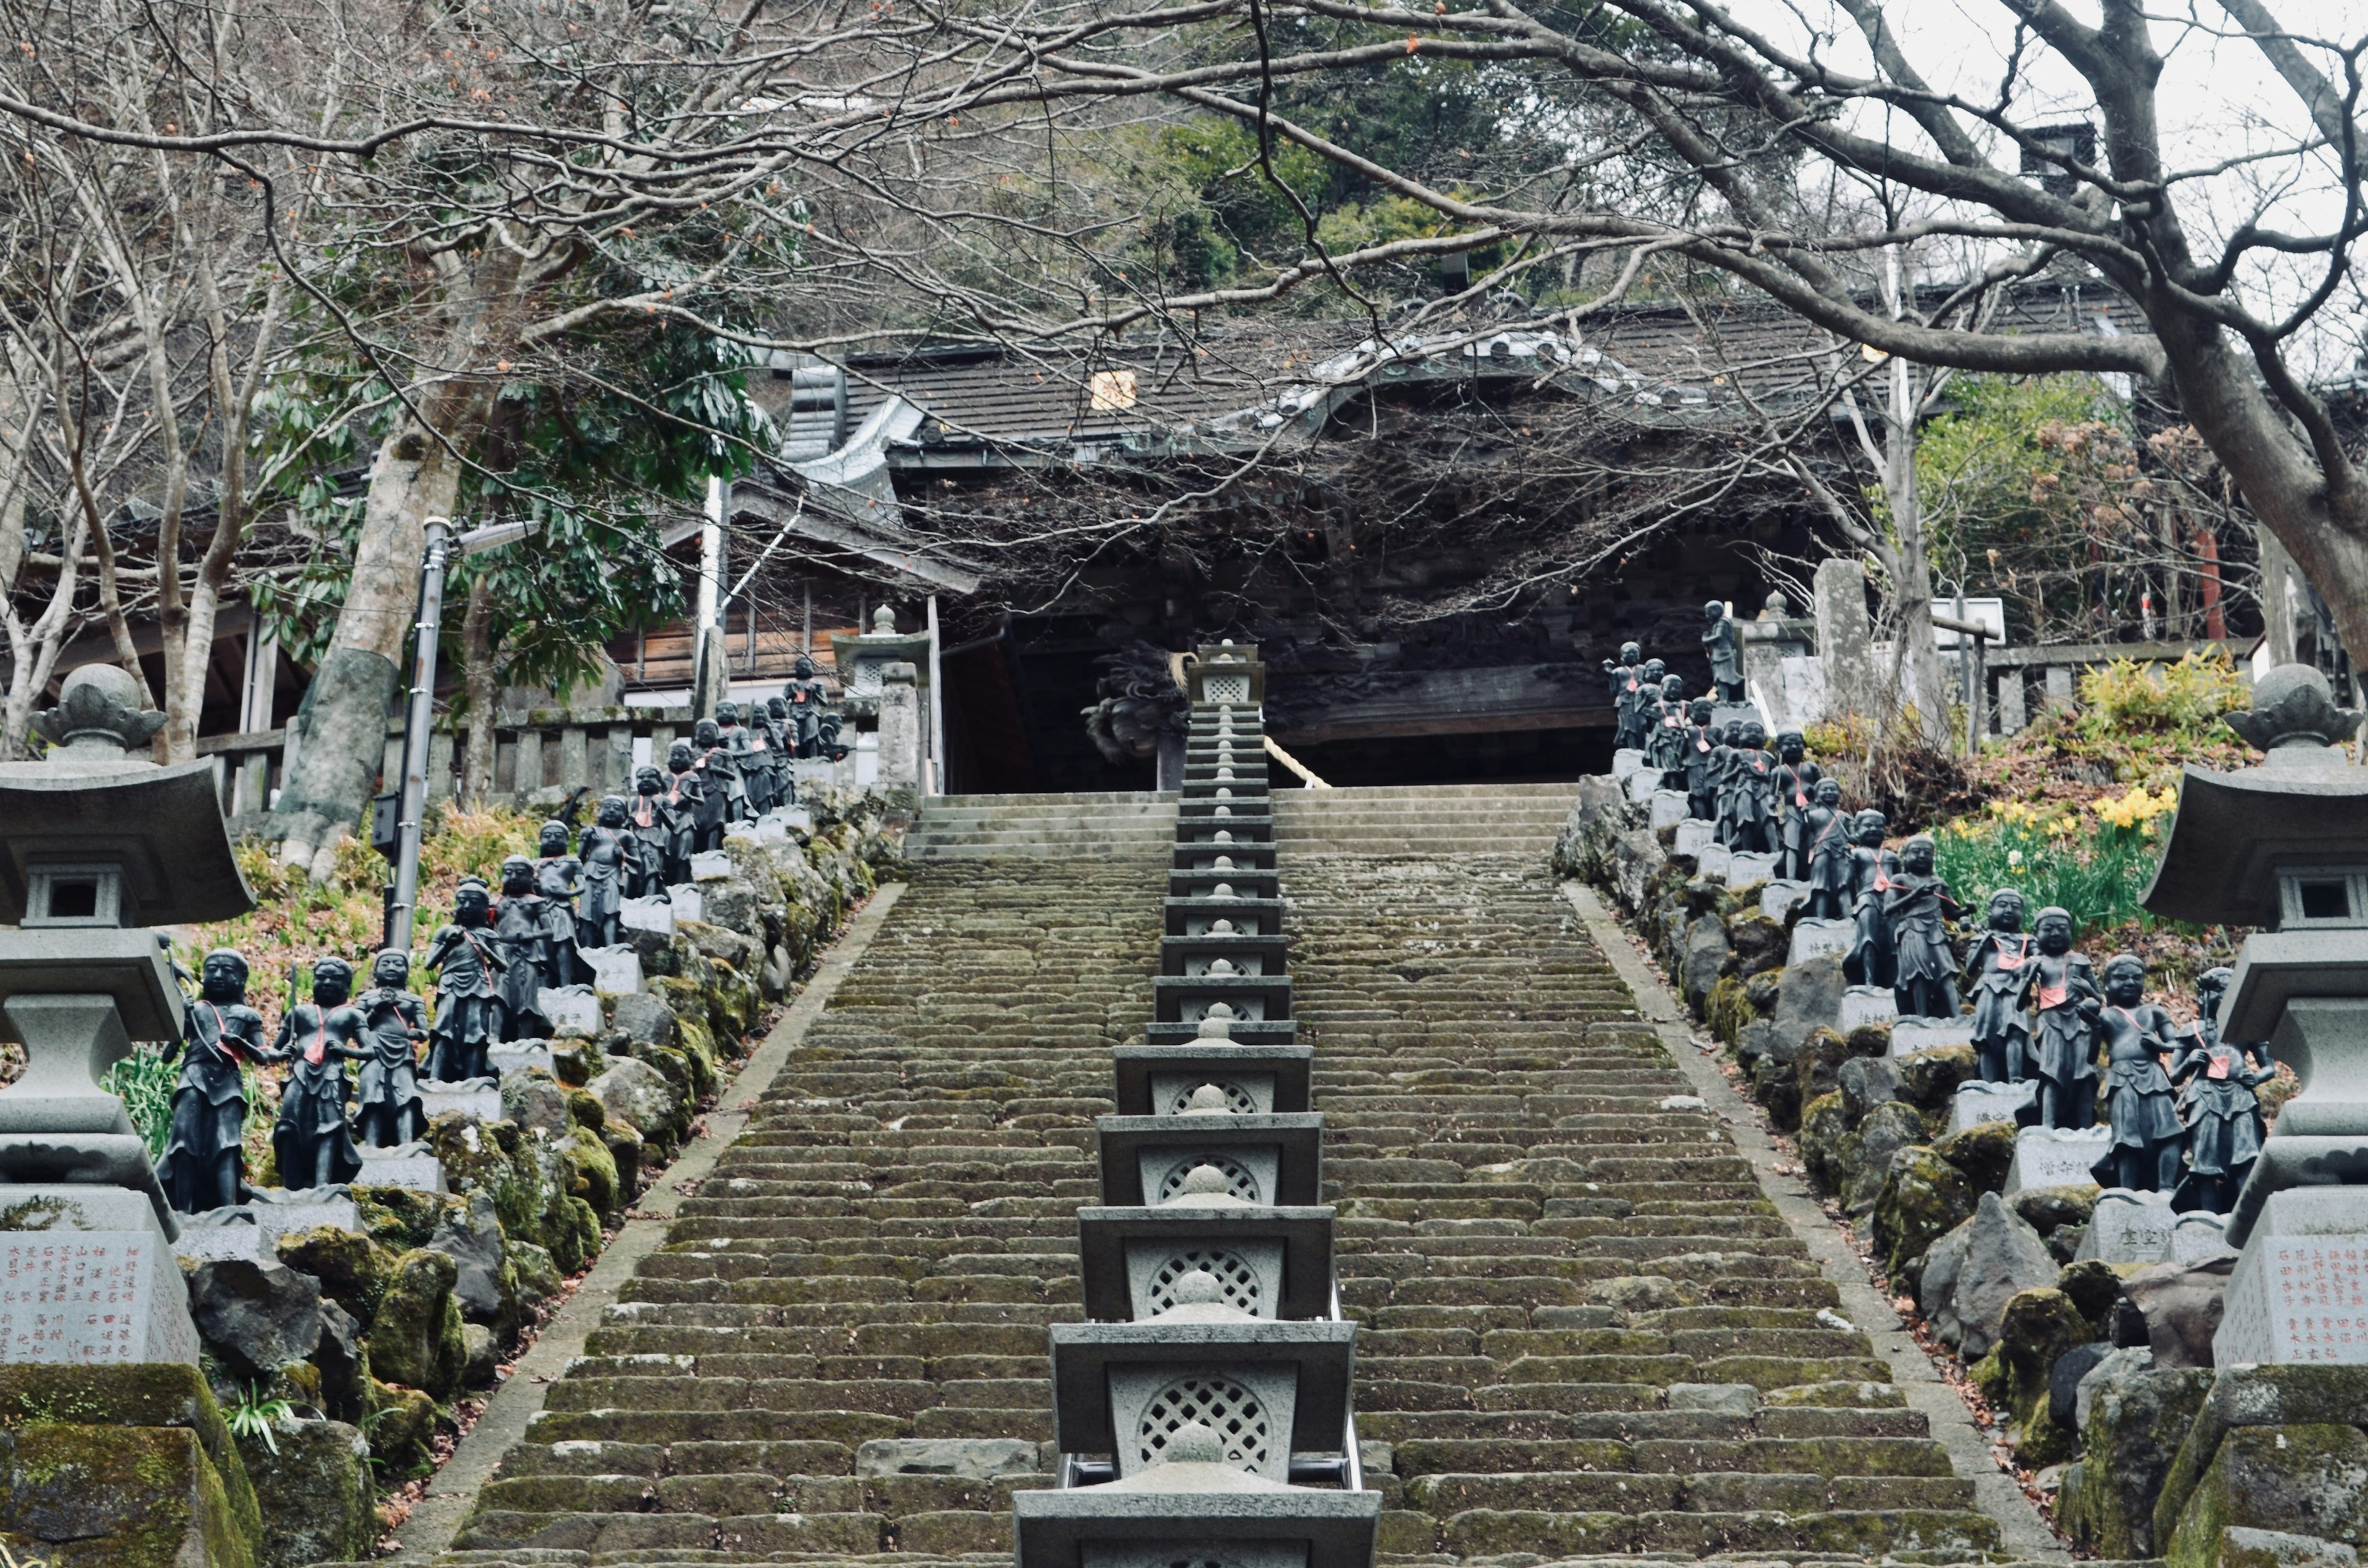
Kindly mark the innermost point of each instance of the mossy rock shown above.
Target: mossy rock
(1923, 1198)
(734, 1003)
(401, 1427)
(539, 1277)
(585, 1108)
(1772, 1086)
(2309, 1479)
(159, 1393)
(575, 1235)
(314, 1493)
(2049, 1209)
(416, 1338)
(1825, 1123)
(591, 1170)
(109, 1496)
(2137, 1425)
(1816, 1066)
(1869, 1039)
(1983, 1151)
(1929, 1079)
(353, 1269)
(624, 1147)
(2093, 1286)
(1726, 1010)
(2037, 1327)
(398, 1217)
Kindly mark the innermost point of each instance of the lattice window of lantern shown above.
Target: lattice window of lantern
(1236, 1278)
(1239, 1181)
(1223, 1406)
(1226, 689)
(1237, 1099)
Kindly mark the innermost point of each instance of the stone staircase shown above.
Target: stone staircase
(957, 827)
(1587, 1334)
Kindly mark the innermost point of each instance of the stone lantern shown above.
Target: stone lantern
(98, 845)
(2284, 846)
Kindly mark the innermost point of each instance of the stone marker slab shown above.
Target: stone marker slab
(2197, 1238)
(2300, 1289)
(437, 1099)
(1627, 760)
(709, 863)
(1641, 787)
(1694, 836)
(646, 914)
(617, 970)
(688, 904)
(1669, 808)
(518, 1055)
(1977, 1103)
(574, 1011)
(2128, 1227)
(1910, 1036)
(1863, 1005)
(2056, 1156)
(797, 817)
(420, 1173)
(1735, 713)
(1714, 860)
(198, 1243)
(1744, 867)
(772, 829)
(1817, 939)
(89, 1280)
(1777, 899)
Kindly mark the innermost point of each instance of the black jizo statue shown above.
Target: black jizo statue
(653, 820)
(1917, 909)
(204, 1165)
(522, 933)
(611, 856)
(807, 700)
(1869, 960)
(719, 782)
(1701, 764)
(1832, 863)
(2143, 1154)
(2001, 1038)
(1666, 751)
(1796, 787)
(468, 995)
(388, 1110)
(558, 882)
(2219, 1105)
(1723, 646)
(2061, 991)
(1626, 676)
(311, 1141)
(1752, 819)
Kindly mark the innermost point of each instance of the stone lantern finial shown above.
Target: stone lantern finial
(2294, 713)
(98, 716)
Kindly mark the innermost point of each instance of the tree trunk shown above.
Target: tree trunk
(1915, 649)
(341, 729)
(477, 678)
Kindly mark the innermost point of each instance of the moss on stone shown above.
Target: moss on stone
(416, 1339)
(1923, 1198)
(314, 1491)
(398, 1217)
(1983, 1151)
(2137, 1425)
(128, 1497)
(1929, 1079)
(402, 1428)
(1825, 1124)
(353, 1269)
(2310, 1478)
(591, 1170)
(1726, 1010)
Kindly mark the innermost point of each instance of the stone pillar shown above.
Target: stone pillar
(2010, 711)
(526, 772)
(900, 729)
(1844, 640)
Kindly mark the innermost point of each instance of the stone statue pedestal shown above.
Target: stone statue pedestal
(252, 1229)
(653, 914)
(1669, 808)
(2056, 1157)
(617, 970)
(88, 1278)
(1777, 899)
(1712, 862)
(2196, 1238)
(1818, 939)
(1746, 867)
(1863, 1005)
(518, 1055)
(1910, 1036)
(689, 903)
(2300, 1289)
(574, 1011)
(1626, 762)
(2128, 1227)
(1694, 836)
(480, 1098)
(405, 1164)
(1977, 1103)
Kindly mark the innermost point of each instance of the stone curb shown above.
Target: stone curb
(440, 1514)
(2021, 1529)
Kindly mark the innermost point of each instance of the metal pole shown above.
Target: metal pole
(404, 907)
(937, 704)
